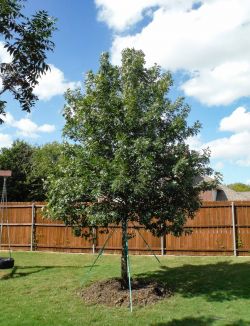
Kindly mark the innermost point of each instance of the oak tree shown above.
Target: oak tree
(130, 160)
(30, 166)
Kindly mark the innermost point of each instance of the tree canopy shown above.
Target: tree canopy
(18, 159)
(27, 40)
(30, 167)
(240, 187)
(44, 163)
(130, 160)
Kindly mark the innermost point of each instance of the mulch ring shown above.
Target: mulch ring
(109, 293)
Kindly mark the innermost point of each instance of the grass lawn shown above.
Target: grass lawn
(42, 290)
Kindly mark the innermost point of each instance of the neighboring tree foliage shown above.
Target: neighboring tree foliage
(18, 158)
(44, 163)
(30, 167)
(27, 40)
(131, 161)
(239, 187)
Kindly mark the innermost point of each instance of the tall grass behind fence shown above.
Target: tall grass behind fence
(219, 228)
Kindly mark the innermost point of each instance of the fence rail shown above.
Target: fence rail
(219, 228)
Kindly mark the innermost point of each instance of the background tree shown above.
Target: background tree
(27, 40)
(44, 163)
(17, 158)
(30, 167)
(130, 161)
(240, 187)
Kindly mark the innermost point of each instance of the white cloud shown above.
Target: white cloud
(238, 121)
(234, 148)
(46, 128)
(194, 142)
(26, 127)
(222, 85)
(245, 162)
(218, 166)
(53, 83)
(8, 119)
(4, 55)
(210, 42)
(120, 15)
(5, 140)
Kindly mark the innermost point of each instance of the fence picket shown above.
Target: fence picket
(215, 227)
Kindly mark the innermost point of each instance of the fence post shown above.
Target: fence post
(234, 230)
(163, 244)
(33, 213)
(93, 240)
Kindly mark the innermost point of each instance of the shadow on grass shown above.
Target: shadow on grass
(216, 282)
(23, 271)
(200, 321)
(223, 281)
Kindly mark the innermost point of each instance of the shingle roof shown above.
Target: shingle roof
(225, 193)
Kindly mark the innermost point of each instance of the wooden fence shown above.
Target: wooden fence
(219, 228)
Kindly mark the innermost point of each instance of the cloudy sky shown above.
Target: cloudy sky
(205, 44)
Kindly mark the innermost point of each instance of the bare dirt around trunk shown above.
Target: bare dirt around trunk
(110, 293)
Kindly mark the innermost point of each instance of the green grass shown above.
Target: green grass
(42, 290)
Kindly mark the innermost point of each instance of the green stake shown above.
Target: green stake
(150, 249)
(99, 255)
(129, 278)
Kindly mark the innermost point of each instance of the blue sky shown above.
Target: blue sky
(205, 44)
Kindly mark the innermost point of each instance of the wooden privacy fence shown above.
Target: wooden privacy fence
(219, 228)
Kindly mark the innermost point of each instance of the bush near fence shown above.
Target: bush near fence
(219, 228)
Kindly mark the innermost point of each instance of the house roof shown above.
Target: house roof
(225, 193)
(222, 192)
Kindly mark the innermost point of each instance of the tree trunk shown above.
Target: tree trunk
(124, 266)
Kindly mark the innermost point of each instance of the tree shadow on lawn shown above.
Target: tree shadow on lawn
(200, 321)
(216, 282)
(23, 271)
